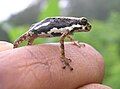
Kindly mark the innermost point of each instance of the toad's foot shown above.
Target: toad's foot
(78, 44)
(66, 62)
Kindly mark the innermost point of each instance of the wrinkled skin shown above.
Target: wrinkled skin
(39, 67)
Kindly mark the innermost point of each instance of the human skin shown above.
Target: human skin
(39, 67)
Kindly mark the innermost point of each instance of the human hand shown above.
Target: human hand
(39, 67)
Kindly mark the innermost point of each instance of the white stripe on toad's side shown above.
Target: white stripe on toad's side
(44, 24)
(62, 30)
(73, 26)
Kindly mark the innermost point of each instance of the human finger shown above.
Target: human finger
(95, 86)
(39, 67)
(5, 46)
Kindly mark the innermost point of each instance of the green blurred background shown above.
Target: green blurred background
(104, 16)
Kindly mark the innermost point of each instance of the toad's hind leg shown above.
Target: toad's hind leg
(75, 42)
(64, 60)
(30, 41)
(20, 40)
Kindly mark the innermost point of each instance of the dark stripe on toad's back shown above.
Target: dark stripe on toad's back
(63, 22)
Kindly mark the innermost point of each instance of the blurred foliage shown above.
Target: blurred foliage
(98, 9)
(51, 9)
(16, 31)
(3, 34)
(104, 36)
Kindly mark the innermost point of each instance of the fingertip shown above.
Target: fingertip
(5, 45)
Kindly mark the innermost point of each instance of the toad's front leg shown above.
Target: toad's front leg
(75, 42)
(64, 60)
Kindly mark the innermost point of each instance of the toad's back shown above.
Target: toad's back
(54, 25)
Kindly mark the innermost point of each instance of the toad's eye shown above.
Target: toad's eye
(83, 21)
